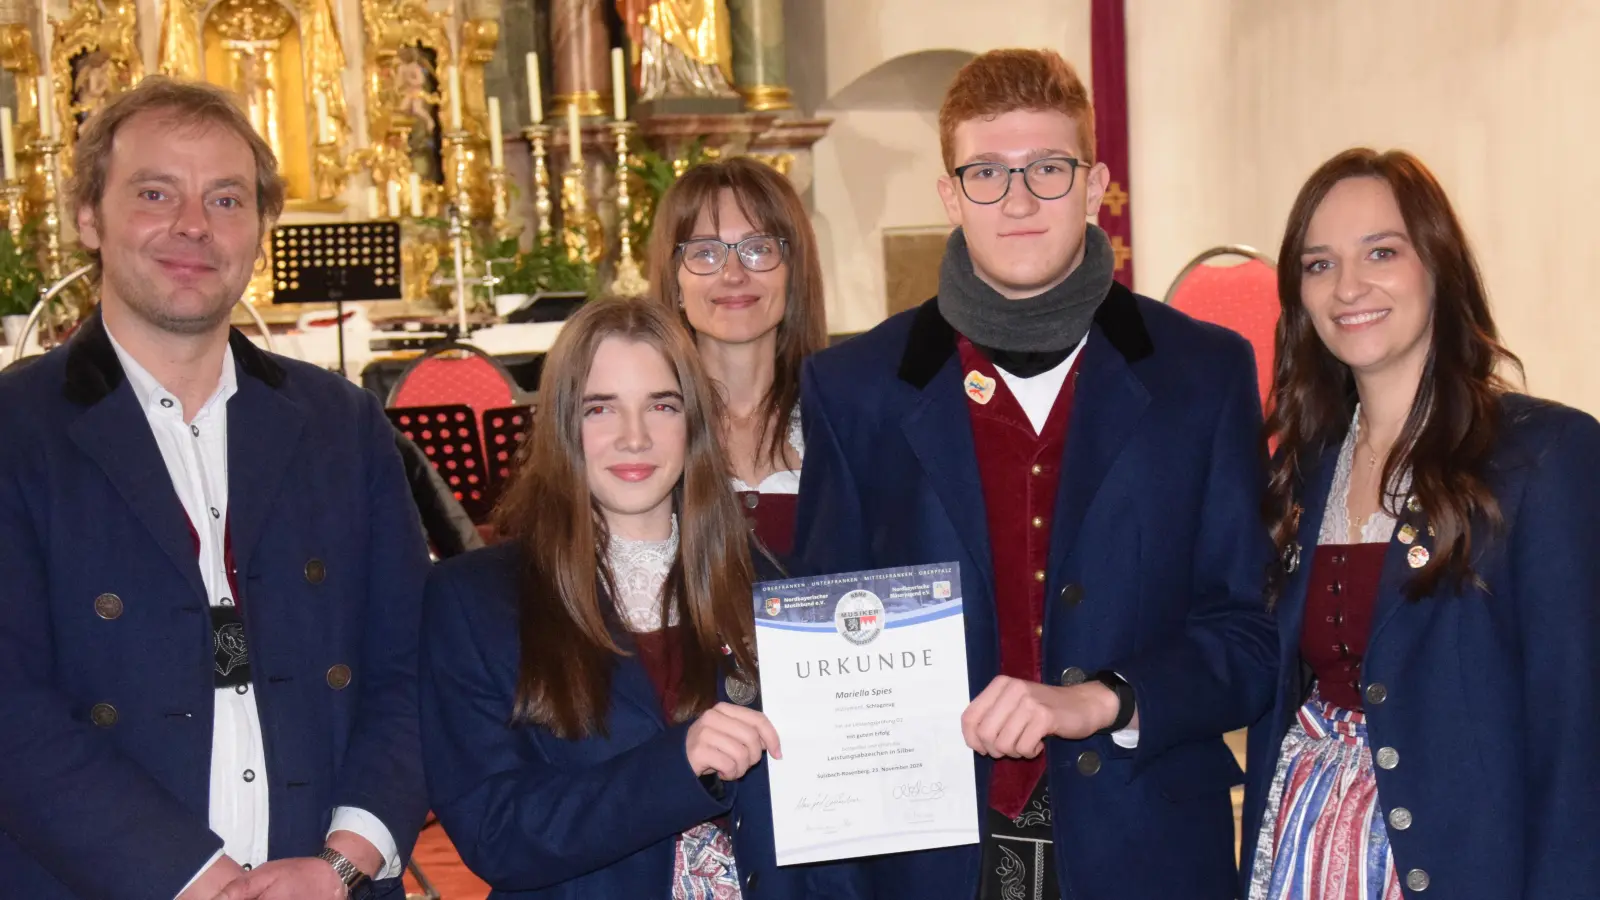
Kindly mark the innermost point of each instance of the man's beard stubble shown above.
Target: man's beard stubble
(139, 297)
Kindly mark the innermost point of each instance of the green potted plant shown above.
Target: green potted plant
(20, 282)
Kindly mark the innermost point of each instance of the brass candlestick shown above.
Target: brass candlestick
(628, 281)
(537, 135)
(48, 151)
(497, 193)
(11, 194)
(459, 186)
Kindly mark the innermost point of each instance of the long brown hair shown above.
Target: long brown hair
(568, 625)
(1455, 418)
(770, 203)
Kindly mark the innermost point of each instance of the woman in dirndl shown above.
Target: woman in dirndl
(1439, 595)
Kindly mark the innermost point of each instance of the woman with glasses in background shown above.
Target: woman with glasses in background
(733, 253)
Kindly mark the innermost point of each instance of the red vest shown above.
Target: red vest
(1020, 471)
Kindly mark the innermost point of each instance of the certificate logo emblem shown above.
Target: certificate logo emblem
(859, 616)
(941, 590)
(774, 605)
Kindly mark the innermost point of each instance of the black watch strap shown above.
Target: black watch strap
(1125, 701)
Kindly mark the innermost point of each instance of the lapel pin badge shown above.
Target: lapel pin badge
(1413, 504)
(1418, 557)
(979, 387)
(1291, 557)
(1406, 534)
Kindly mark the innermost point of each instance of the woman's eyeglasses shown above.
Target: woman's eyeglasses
(757, 253)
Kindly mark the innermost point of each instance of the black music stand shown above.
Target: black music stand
(338, 262)
(449, 436)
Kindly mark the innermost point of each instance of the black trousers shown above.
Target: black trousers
(1019, 860)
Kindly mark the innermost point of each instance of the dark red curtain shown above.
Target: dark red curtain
(1108, 50)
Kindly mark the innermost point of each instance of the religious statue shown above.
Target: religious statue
(684, 48)
(414, 75)
(96, 49)
(91, 85)
(252, 36)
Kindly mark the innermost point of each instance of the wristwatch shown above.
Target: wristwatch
(357, 885)
(1125, 699)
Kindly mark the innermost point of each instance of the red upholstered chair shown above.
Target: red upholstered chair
(454, 373)
(1240, 293)
(449, 435)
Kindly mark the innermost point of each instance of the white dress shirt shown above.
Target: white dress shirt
(196, 456)
(1037, 395)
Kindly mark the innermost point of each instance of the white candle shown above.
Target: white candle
(372, 203)
(619, 86)
(497, 150)
(47, 119)
(455, 98)
(321, 101)
(535, 99)
(7, 147)
(394, 199)
(416, 195)
(45, 42)
(574, 135)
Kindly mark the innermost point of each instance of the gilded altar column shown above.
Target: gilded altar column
(581, 48)
(758, 63)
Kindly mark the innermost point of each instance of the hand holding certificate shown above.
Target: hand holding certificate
(865, 676)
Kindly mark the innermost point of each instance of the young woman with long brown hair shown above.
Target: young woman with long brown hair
(732, 252)
(1439, 594)
(577, 725)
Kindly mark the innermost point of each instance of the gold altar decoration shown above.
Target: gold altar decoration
(683, 48)
(253, 49)
(179, 56)
(95, 57)
(407, 50)
(419, 259)
(479, 37)
(325, 65)
(17, 56)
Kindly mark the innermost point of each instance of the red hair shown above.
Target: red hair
(1003, 81)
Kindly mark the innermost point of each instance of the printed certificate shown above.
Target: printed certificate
(864, 676)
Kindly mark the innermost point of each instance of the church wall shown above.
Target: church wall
(1233, 103)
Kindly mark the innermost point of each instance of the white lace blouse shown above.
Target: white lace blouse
(639, 569)
(1335, 529)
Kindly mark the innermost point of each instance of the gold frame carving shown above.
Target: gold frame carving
(111, 28)
(390, 26)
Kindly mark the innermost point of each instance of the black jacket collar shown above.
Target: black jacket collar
(93, 370)
(932, 339)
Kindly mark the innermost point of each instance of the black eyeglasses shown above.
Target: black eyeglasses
(1050, 178)
(757, 253)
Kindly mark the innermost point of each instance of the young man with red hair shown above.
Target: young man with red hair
(1092, 460)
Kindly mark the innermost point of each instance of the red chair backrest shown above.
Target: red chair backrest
(1241, 297)
(454, 374)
